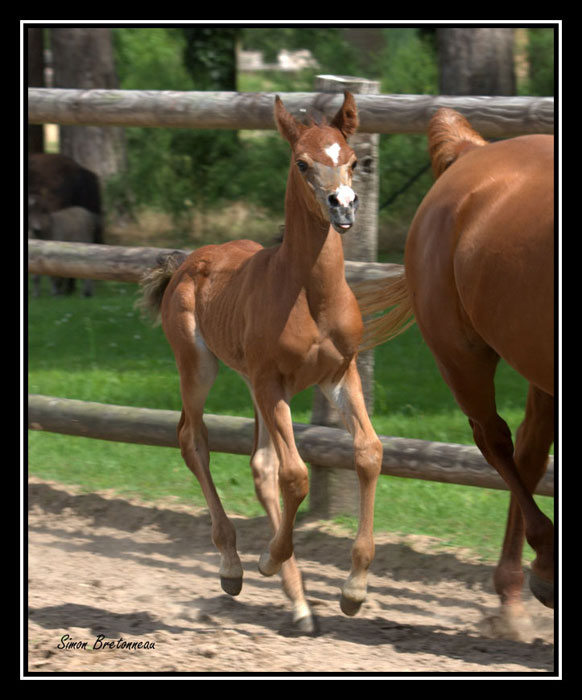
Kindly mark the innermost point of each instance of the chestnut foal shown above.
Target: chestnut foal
(284, 318)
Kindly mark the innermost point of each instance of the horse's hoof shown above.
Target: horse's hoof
(542, 589)
(306, 625)
(349, 606)
(506, 624)
(232, 586)
(267, 566)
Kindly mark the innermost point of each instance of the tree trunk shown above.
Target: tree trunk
(35, 59)
(83, 59)
(476, 61)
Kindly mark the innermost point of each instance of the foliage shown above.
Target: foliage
(210, 56)
(150, 59)
(327, 44)
(179, 171)
(540, 54)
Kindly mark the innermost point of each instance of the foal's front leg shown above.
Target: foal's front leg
(265, 467)
(348, 398)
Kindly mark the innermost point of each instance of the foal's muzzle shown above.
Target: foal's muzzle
(342, 215)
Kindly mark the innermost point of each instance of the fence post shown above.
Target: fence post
(335, 491)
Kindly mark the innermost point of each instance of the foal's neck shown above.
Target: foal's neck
(312, 249)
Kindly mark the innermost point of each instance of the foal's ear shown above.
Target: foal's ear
(346, 120)
(289, 128)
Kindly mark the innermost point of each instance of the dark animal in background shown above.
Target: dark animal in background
(57, 183)
(75, 224)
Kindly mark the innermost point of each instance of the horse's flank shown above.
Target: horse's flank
(450, 136)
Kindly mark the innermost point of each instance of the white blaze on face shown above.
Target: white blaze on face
(345, 195)
(333, 152)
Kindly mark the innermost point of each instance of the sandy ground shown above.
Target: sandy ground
(111, 572)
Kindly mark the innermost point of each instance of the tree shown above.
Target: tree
(476, 61)
(210, 56)
(83, 58)
(35, 78)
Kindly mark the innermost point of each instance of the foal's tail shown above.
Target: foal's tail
(377, 295)
(450, 135)
(154, 282)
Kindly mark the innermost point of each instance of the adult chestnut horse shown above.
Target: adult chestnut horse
(284, 318)
(479, 266)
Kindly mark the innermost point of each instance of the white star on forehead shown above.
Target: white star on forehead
(333, 152)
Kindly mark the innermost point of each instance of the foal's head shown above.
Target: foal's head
(324, 160)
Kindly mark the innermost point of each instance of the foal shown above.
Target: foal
(284, 318)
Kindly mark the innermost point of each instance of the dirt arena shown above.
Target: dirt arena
(106, 574)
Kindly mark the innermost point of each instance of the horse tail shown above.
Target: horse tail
(450, 135)
(154, 282)
(377, 295)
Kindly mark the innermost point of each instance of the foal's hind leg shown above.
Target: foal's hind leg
(198, 368)
(272, 402)
(533, 441)
(265, 467)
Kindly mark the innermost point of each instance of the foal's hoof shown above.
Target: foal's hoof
(306, 625)
(349, 606)
(542, 589)
(267, 566)
(232, 586)
(303, 627)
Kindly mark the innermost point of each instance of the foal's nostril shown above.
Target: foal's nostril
(334, 201)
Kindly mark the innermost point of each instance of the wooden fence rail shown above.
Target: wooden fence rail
(493, 117)
(127, 264)
(328, 447)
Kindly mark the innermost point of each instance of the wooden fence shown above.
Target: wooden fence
(328, 447)
(331, 447)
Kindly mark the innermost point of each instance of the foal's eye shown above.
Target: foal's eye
(302, 165)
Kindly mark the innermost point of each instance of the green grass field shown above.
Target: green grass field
(99, 349)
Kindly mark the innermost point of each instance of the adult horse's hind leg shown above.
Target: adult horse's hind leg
(533, 441)
(198, 368)
(470, 375)
(265, 467)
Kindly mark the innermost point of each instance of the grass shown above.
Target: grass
(99, 349)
